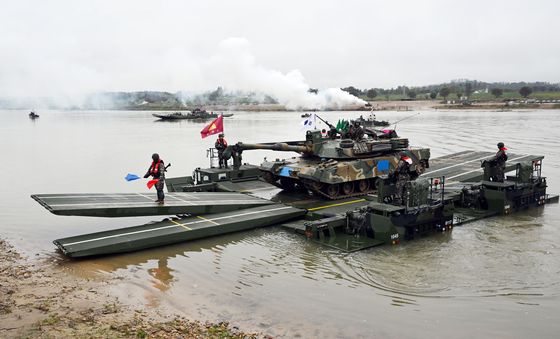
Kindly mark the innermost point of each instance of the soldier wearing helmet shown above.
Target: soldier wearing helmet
(401, 175)
(221, 145)
(358, 131)
(499, 161)
(157, 171)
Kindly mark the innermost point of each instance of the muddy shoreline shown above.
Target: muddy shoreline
(40, 300)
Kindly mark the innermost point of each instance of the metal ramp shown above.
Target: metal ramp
(173, 231)
(138, 204)
(465, 165)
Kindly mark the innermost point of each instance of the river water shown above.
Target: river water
(496, 278)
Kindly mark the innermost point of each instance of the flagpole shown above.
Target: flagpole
(314, 121)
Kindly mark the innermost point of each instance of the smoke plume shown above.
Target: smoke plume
(65, 79)
(235, 68)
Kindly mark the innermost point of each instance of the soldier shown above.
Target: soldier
(157, 171)
(499, 161)
(358, 131)
(401, 176)
(221, 145)
(332, 133)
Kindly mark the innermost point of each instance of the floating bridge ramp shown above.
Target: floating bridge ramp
(175, 230)
(465, 166)
(139, 204)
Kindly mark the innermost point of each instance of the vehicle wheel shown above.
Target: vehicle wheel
(333, 190)
(363, 185)
(287, 184)
(348, 188)
(314, 185)
(269, 177)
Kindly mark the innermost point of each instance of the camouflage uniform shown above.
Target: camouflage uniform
(401, 176)
(221, 145)
(499, 160)
(358, 133)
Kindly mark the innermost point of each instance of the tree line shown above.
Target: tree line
(462, 88)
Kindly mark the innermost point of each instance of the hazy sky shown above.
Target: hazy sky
(54, 47)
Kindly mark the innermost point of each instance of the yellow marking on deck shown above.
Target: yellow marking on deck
(210, 221)
(182, 225)
(334, 205)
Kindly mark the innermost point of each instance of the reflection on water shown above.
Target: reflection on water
(492, 278)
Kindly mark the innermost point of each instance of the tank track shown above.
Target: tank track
(323, 191)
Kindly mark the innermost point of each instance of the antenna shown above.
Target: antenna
(403, 119)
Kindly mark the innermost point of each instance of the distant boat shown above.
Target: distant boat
(33, 115)
(196, 114)
(371, 121)
(306, 115)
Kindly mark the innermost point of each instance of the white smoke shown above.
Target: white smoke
(235, 68)
(62, 77)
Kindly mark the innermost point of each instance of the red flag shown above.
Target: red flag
(151, 183)
(215, 127)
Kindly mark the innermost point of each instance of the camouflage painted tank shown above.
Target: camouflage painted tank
(335, 168)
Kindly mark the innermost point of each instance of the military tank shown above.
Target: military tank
(334, 168)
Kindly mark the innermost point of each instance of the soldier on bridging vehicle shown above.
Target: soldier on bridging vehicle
(499, 161)
(221, 145)
(401, 176)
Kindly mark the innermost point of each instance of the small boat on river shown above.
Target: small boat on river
(371, 121)
(196, 114)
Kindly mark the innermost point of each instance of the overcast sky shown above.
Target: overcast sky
(52, 47)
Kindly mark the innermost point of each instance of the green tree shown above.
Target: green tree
(525, 91)
(459, 95)
(352, 90)
(468, 89)
(433, 95)
(497, 92)
(444, 92)
(371, 93)
(215, 95)
(411, 94)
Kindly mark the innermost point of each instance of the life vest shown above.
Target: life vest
(503, 156)
(222, 141)
(154, 168)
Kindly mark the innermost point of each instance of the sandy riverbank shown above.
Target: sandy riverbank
(40, 300)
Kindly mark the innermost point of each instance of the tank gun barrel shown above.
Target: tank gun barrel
(275, 147)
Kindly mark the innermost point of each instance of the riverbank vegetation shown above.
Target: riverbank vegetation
(220, 99)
